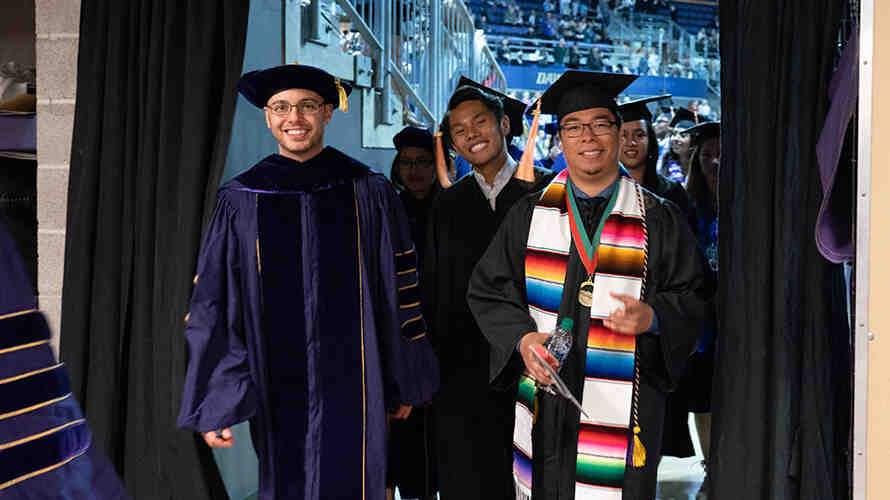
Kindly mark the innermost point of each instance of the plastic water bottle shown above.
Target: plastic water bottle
(560, 342)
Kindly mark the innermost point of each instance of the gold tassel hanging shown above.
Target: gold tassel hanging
(526, 169)
(639, 452)
(441, 169)
(341, 92)
(639, 455)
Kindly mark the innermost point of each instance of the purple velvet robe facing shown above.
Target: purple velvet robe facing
(305, 320)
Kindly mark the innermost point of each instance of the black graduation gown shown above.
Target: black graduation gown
(677, 288)
(474, 420)
(411, 463)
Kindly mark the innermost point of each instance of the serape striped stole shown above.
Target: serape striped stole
(608, 393)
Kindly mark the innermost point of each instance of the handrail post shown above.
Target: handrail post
(436, 34)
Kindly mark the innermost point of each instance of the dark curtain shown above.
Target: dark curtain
(155, 99)
(781, 390)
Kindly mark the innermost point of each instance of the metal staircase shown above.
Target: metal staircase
(405, 64)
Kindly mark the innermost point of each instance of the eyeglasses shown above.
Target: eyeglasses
(415, 164)
(599, 127)
(282, 108)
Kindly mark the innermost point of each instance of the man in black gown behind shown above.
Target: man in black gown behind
(474, 419)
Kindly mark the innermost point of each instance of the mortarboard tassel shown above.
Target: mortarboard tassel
(341, 92)
(526, 169)
(441, 169)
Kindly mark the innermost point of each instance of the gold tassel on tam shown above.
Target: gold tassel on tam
(441, 169)
(525, 171)
(639, 455)
(341, 92)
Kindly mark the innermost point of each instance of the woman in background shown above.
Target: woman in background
(674, 164)
(411, 465)
(702, 188)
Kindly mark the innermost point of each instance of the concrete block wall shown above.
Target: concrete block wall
(57, 25)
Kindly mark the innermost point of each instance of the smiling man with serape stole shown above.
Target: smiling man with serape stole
(596, 247)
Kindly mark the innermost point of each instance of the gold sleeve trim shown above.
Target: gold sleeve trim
(418, 337)
(412, 320)
(24, 346)
(26, 375)
(4, 446)
(19, 313)
(407, 252)
(409, 306)
(35, 407)
(400, 273)
(412, 285)
(29, 475)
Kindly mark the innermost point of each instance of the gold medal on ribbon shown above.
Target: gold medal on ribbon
(585, 292)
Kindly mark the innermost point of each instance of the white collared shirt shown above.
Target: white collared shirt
(491, 191)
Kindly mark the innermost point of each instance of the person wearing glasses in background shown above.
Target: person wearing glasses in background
(621, 263)
(411, 464)
(305, 317)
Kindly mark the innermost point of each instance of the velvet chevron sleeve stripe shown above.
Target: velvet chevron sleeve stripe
(40, 453)
(413, 326)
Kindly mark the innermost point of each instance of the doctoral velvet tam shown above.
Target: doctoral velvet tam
(258, 86)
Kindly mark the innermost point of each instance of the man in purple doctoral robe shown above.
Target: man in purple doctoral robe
(46, 447)
(305, 318)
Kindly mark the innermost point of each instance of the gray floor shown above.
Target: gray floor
(678, 478)
(681, 478)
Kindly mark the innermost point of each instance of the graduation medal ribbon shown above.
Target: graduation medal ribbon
(587, 250)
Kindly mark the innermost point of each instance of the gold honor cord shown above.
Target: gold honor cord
(639, 452)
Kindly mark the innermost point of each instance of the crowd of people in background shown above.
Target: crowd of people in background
(576, 35)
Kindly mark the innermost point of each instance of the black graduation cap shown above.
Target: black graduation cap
(637, 110)
(513, 108)
(684, 119)
(703, 131)
(258, 86)
(576, 90)
(414, 136)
